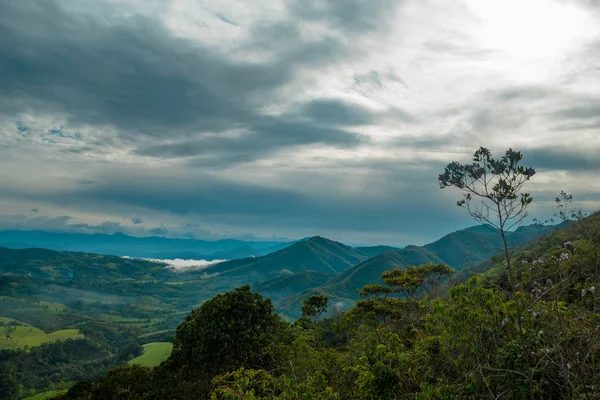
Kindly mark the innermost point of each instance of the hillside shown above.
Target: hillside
(344, 287)
(466, 247)
(315, 254)
(79, 267)
(469, 247)
(289, 285)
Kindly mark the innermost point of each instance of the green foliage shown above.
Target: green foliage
(130, 382)
(230, 331)
(314, 307)
(409, 281)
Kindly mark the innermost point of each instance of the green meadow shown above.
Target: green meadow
(154, 354)
(31, 336)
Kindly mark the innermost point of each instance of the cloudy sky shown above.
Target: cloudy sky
(287, 118)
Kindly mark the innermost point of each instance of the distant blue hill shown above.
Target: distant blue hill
(147, 247)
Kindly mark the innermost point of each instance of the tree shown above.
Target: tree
(409, 282)
(497, 182)
(9, 388)
(314, 307)
(9, 330)
(227, 332)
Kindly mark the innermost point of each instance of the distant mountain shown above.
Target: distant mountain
(144, 247)
(81, 268)
(315, 254)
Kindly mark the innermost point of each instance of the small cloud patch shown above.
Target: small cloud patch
(180, 265)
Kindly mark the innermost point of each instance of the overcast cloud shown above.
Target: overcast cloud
(287, 118)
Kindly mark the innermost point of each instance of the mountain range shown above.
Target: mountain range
(142, 247)
(287, 275)
(462, 249)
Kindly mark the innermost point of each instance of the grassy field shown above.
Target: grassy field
(45, 395)
(154, 354)
(32, 336)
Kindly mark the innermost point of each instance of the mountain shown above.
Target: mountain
(77, 267)
(471, 246)
(346, 284)
(315, 254)
(289, 285)
(145, 247)
(466, 247)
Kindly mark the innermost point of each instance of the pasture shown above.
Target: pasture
(154, 354)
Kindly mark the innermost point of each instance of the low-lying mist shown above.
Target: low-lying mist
(181, 265)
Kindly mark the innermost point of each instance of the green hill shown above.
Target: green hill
(77, 267)
(315, 254)
(344, 287)
(289, 285)
(466, 247)
(469, 247)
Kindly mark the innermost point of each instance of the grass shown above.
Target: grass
(45, 395)
(32, 336)
(154, 354)
(6, 321)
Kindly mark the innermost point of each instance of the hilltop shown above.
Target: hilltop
(314, 254)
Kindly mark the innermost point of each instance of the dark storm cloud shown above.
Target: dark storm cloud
(335, 112)
(590, 110)
(565, 159)
(267, 135)
(131, 74)
(388, 202)
(135, 75)
(137, 220)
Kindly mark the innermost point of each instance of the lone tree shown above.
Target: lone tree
(314, 307)
(497, 183)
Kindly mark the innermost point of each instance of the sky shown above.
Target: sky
(288, 118)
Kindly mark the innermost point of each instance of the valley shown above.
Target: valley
(118, 309)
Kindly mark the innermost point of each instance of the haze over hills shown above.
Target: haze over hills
(142, 247)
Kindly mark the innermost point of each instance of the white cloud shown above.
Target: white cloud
(180, 265)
